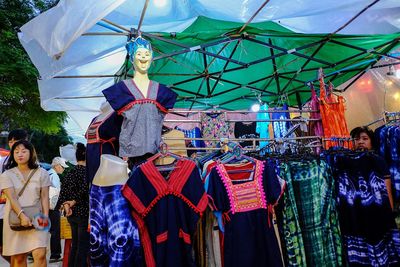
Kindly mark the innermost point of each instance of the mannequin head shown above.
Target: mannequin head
(142, 60)
(140, 53)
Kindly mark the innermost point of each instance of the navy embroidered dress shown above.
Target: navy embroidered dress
(370, 236)
(142, 115)
(167, 208)
(244, 210)
(102, 138)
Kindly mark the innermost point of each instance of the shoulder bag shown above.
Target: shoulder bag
(29, 211)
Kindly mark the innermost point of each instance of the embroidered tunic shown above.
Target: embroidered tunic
(167, 209)
(142, 115)
(246, 208)
(102, 138)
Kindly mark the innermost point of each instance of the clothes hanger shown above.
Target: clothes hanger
(164, 152)
(236, 154)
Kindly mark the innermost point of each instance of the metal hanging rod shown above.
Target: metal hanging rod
(241, 111)
(246, 120)
(227, 139)
(375, 121)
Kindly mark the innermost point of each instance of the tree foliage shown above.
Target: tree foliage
(19, 94)
(47, 145)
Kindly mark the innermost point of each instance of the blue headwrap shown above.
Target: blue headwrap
(134, 44)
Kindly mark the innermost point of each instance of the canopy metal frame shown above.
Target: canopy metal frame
(298, 86)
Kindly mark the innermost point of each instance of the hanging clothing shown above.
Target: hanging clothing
(315, 127)
(310, 223)
(262, 127)
(333, 116)
(388, 139)
(114, 235)
(214, 125)
(281, 127)
(246, 130)
(193, 133)
(102, 138)
(142, 115)
(244, 208)
(173, 143)
(167, 207)
(370, 235)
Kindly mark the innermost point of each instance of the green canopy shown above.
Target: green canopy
(219, 63)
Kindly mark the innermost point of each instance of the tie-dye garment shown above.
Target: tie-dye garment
(370, 235)
(310, 226)
(114, 235)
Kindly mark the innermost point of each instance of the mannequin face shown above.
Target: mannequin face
(142, 60)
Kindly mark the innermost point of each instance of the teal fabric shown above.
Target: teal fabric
(262, 127)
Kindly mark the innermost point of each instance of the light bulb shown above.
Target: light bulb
(398, 74)
(255, 107)
(160, 3)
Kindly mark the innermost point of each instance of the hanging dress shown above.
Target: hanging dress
(214, 126)
(167, 207)
(244, 208)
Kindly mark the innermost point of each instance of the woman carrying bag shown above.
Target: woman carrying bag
(26, 185)
(74, 198)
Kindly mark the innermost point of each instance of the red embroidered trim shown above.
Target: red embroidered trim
(245, 196)
(187, 201)
(142, 101)
(145, 239)
(154, 176)
(162, 237)
(133, 199)
(184, 236)
(174, 186)
(95, 126)
(202, 204)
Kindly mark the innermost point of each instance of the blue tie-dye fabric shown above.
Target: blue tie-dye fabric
(114, 235)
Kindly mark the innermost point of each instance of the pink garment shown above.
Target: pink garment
(315, 126)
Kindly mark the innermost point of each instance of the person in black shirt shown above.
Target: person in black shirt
(74, 198)
(364, 140)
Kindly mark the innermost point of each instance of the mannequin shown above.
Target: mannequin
(142, 103)
(114, 235)
(105, 110)
(102, 138)
(112, 171)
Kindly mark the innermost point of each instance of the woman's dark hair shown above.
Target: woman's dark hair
(355, 133)
(17, 134)
(80, 152)
(32, 162)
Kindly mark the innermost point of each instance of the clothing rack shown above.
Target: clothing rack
(178, 111)
(391, 116)
(247, 120)
(253, 140)
(375, 121)
(340, 141)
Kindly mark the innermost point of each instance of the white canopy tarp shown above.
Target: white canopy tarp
(56, 46)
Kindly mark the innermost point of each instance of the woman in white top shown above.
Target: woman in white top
(18, 244)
